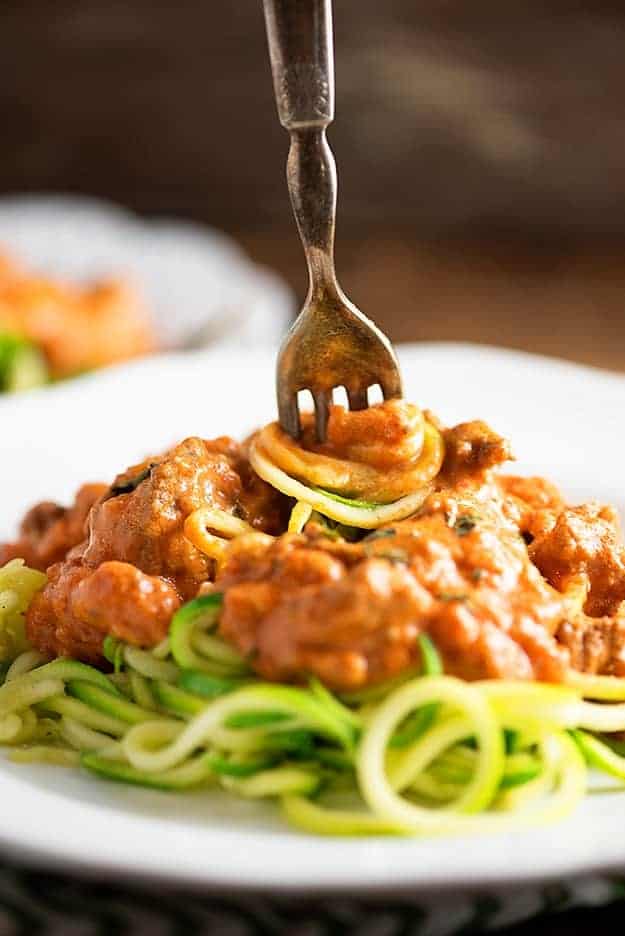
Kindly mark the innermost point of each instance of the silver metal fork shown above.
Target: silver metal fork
(332, 343)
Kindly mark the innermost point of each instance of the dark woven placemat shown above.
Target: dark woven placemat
(43, 902)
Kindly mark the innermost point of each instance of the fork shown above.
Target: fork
(332, 343)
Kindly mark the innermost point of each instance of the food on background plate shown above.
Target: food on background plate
(50, 330)
(382, 631)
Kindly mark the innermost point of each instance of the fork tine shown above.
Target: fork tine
(357, 399)
(322, 403)
(391, 386)
(288, 413)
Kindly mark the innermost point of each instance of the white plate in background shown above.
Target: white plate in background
(199, 286)
(565, 421)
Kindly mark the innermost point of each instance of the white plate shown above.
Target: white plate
(197, 283)
(565, 422)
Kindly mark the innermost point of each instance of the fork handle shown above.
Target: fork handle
(302, 62)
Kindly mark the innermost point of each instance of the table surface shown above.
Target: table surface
(567, 301)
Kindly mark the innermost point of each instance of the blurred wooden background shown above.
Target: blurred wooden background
(481, 148)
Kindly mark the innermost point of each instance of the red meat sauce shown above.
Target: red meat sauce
(124, 566)
(507, 580)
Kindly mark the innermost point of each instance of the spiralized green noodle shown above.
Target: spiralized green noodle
(356, 513)
(24, 663)
(310, 817)
(424, 754)
(82, 737)
(379, 790)
(193, 646)
(146, 665)
(45, 754)
(84, 715)
(18, 584)
(141, 691)
(607, 688)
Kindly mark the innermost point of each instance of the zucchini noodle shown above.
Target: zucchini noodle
(379, 790)
(606, 688)
(24, 663)
(192, 644)
(141, 691)
(422, 754)
(350, 491)
(426, 754)
(200, 523)
(416, 459)
(18, 584)
(81, 737)
(367, 516)
(300, 515)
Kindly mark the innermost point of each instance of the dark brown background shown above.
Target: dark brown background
(480, 147)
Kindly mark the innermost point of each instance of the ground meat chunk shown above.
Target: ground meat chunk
(535, 493)
(48, 531)
(595, 645)
(471, 450)
(80, 606)
(142, 521)
(136, 566)
(352, 613)
(120, 600)
(495, 571)
(374, 593)
(51, 627)
(385, 436)
(259, 504)
(584, 541)
(531, 503)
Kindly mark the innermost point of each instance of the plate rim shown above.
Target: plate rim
(66, 855)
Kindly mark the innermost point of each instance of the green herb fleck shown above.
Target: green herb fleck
(452, 596)
(332, 529)
(127, 487)
(465, 523)
(478, 574)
